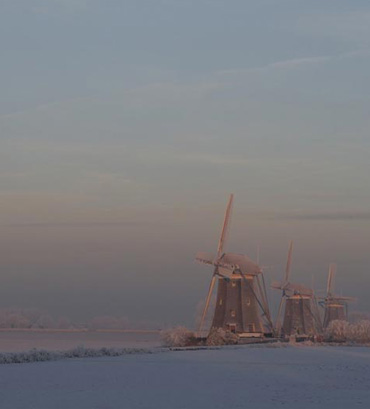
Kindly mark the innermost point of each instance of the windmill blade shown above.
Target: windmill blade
(239, 263)
(321, 298)
(210, 290)
(313, 284)
(225, 272)
(330, 283)
(265, 311)
(206, 258)
(298, 289)
(263, 295)
(341, 298)
(320, 293)
(277, 285)
(315, 303)
(289, 262)
(225, 226)
(315, 307)
(278, 319)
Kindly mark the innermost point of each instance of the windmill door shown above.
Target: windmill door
(232, 328)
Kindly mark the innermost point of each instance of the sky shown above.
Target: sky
(125, 125)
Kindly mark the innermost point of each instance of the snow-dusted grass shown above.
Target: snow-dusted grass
(255, 377)
(36, 355)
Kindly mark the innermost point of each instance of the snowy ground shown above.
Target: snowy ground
(230, 377)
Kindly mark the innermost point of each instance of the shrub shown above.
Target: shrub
(221, 337)
(343, 331)
(178, 337)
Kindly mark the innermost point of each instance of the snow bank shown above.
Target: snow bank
(36, 355)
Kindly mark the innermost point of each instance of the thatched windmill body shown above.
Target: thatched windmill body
(336, 307)
(241, 296)
(299, 318)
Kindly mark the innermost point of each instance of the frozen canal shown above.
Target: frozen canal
(231, 377)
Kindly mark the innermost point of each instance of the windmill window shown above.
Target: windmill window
(220, 301)
(248, 301)
(232, 313)
(233, 283)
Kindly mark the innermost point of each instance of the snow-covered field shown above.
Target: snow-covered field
(229, 377)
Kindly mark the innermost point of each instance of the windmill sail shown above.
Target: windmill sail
(225, 227)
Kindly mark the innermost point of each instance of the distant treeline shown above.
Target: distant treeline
(33, 318)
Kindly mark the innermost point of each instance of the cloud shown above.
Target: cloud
(78, 224)
(349, 24)
(50, 107)
(193, 158)
(215, 159)
(170, 92)
(136, 99)
(335, 216)
(297, 62)
(283, 64)
(48, 6)
(292, 63)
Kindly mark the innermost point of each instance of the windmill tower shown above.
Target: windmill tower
(240, 294)
(335, 306)
(298, 315)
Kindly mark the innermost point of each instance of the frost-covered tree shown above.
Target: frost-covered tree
(219, 336)
(337, 331)
(343, 331)
(45, 321)
(178, 337)
(13, 318)
(63, 323)
(359, 332)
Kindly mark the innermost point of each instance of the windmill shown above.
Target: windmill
(240, 294)
(335, 306)
(298, 315)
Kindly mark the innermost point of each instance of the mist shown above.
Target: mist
(124, 126)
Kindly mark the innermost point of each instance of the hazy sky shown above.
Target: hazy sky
(125, 124)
